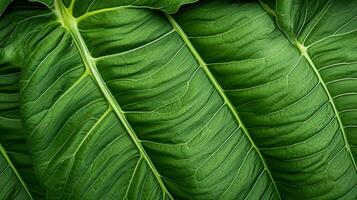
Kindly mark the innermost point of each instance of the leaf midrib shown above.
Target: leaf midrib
(221, 92)
(304, 52)
(67, 20)
(306, 55)
(13, 168)
(70, 23)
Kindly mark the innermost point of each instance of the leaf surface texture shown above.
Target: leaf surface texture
(291, 109)
(125, 109)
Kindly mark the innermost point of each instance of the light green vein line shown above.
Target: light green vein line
(220, 91)
(305, 53)
(70, 23)
(4, 154)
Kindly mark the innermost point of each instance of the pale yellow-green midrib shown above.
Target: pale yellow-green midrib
(13, 169)
(221, 92)
(67, 20)
(304, 52)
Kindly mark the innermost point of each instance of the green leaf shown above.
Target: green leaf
(296, 96)
(325, 32)
(11, 185)
(220, 101)
(48, 3)
(3, 5)
(118, 104)
(12, 133)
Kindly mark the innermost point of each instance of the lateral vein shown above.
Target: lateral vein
(70, 23)
(220, 90)
(306, 54)
(6, 157)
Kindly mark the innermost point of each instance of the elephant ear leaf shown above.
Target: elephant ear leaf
(325, 33)
(15, 163)
(297, 99)
(118, 104)
(12, 185)
(12, 132)
(14, 148)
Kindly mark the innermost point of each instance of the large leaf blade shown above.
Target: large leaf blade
(278, 95)
(83, 142)
(12, 133)
(325, 33)
(11, 185)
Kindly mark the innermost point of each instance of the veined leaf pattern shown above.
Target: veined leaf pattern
(126, 109)
(223, 100)
(12, 185)
(325, 33)
(16, 163)
(289, 107)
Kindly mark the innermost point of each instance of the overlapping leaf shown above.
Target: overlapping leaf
(121, 102)
(16, 161)
(325, 32)
(11, 185)
(126, 109)
(298, 114)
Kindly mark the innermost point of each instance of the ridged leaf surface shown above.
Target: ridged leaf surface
(296, 104)
(118, 104)
(325, 32)
(15, 158)
(11, 184)
(223, 100)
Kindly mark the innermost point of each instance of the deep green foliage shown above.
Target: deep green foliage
(221, 99)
